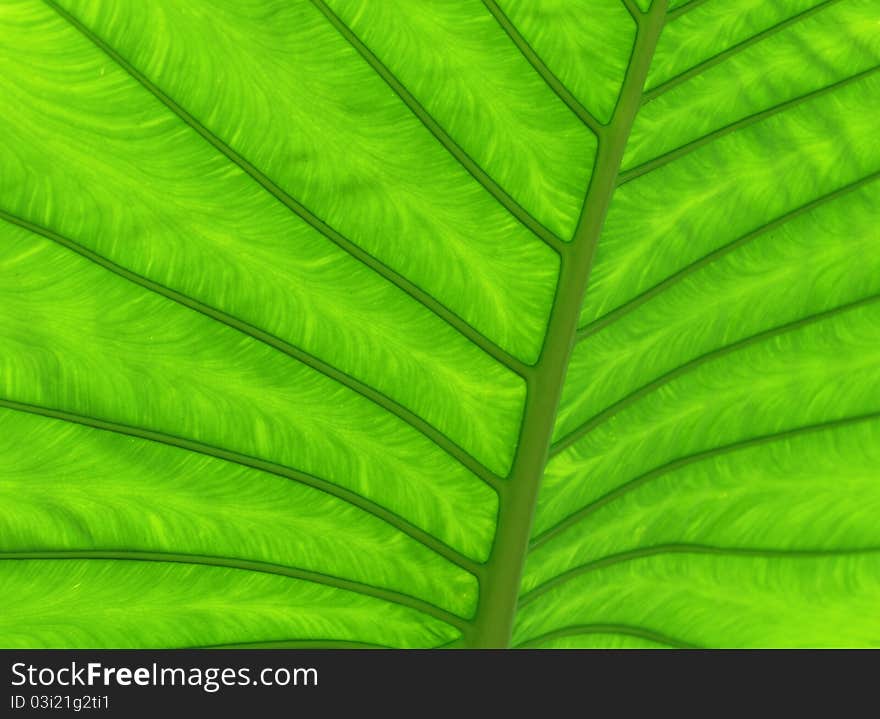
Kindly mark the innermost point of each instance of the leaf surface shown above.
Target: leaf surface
(388, 324)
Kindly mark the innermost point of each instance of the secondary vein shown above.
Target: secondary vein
(687, 148)
(630, 485)
(564, 94)
(410, 288)
(663, 87)
(683, 10)
(247, 565)
(599, 419)
(618, 313)
(641, 553)
(382, 400)
(323, 485)
(620, 629)
(443, 137)
(634, 11)
(292, 644)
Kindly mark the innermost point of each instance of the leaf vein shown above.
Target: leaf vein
(578, 516)
(499, 590)
(660, 549)
(689, 147)
(553, 82)
(443, 137)
(293, 644)
(633, 10)
(323, 485)
(414, 291)
(597, 420)
(684, 9)
(616, 314)
(247, 565)
(378, 398)
(657, 90)
(619, 629)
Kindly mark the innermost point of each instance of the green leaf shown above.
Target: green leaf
(546, 323)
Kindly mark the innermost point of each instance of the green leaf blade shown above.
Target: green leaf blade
(239, 394)
(477, 85)
(726, 600)
(154, 498)
(464, 324)
(102, 604)
(366, 185)
(600, 33)
(718, 423)
(694, 219)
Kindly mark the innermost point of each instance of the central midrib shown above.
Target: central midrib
(499, 584)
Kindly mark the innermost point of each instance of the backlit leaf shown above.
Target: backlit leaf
(545, 323)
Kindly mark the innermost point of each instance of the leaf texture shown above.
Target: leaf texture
(302, 302)
(714, 475)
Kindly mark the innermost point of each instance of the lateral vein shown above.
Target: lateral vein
(247, 565)
(322, 485)
(380, 268)
(597, 420)
(633, 10)
(663, 87)
(555, 84)
(618, 313)
(689, 147)
(641, 553)
(380, 399)
(620, 629)
(630, 485)
(683, 10)
(292, 644)
(443, 137)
